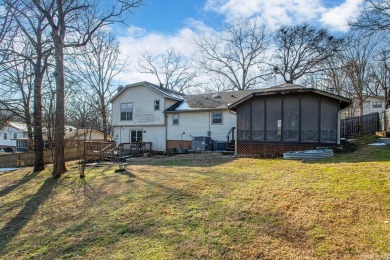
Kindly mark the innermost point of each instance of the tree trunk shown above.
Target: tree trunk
(30, 142)
(59, 124)
(39, 163)
(361, 112)
(104, 117)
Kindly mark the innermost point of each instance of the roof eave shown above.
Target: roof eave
(346, 101)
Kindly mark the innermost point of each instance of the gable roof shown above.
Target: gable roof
(290, 88)
(17, 125)
(208, 101)
(162, 91)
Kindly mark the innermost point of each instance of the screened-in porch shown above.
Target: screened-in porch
(288, 118)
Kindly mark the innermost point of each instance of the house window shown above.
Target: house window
(136, 136)
(5, 136)
(157, 104)
(127, 111)
(15, 135)
(377, 104)
(175, 119)
(217, 118)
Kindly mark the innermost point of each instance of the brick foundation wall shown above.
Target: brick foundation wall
(271, 150)
(176, 144)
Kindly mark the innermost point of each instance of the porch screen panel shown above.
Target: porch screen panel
(258, 119)
(309, 118)
(329, 111)
(273, 118)
(291, 119)
(243, 122)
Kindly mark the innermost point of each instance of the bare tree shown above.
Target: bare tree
(94, 67)
(17, 81)
(375, 17)
(28, 42)
(381, 76)
(237, 54)
(171, 69)
(302, 50)
(358, 66)
(72, 24)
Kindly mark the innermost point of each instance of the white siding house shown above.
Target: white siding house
(371, 104)
(200, 123)
(10, 132)
(138, 114)
(179, 117)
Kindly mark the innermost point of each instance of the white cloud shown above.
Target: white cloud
(337, 18)
(137, 41)
(273, 12)
(282, 12)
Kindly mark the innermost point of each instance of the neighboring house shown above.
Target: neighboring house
(144, 112)
(14, 135)
(11, 133)
(371, 104)
(287, 118)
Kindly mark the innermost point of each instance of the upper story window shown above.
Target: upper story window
(126, 111)
(175, 119)
(216, 118)
(5, 136)
(157, 104)
(15, 135)
(376, 104)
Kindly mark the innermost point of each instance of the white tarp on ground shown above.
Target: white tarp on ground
(7, 169)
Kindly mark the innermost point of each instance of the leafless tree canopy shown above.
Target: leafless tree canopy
(303, 50)
(375, 16)
(172, 70)
(237, 55)
(92, 69)
(72, 24)
(357, 66)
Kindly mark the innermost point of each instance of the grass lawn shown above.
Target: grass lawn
(202, 206)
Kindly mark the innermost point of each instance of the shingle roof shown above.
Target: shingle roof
(163, 91)
(224, 100)
(290, 88)
(220, 100)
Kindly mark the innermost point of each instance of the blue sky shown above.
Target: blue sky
(162, 24)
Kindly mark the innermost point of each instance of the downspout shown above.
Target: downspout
(166, 131)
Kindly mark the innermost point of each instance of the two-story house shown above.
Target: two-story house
(138, 114)
(144, 112)
(11, 133)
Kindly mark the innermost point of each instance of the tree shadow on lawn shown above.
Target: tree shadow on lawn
(131, 176)
(15, 184)
(12, 228)
(187, 160)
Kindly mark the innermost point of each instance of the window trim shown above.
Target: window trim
(159, 104)
(120, 111)
(5, 136)
(375, 104)
(212, 118)
(173, 119)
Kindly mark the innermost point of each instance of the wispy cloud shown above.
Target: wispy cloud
(274, 12)
(337, 18)
(281, 12)
(137, 41)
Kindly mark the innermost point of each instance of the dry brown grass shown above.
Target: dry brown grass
(203, 206)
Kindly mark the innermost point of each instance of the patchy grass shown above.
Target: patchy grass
(202, 206)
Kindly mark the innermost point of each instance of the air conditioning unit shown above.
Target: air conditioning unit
(201, 143)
